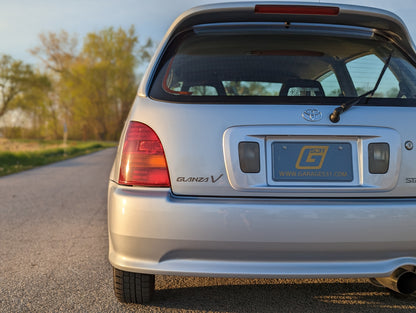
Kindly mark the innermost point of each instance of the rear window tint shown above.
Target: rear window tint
(364, 72)
(226, 68)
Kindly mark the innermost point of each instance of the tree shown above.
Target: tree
(57, 51)
(40, 110)
(15, 78)
(95, 87)
(106, 76)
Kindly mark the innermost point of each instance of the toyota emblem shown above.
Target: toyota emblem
(312, 115)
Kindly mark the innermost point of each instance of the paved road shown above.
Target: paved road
(53, 257)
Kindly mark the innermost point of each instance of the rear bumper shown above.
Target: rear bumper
(152, 231)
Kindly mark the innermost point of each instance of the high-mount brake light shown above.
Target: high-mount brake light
(296, 9)
(143, 161)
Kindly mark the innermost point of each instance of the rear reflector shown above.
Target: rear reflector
(296, 9)
(143, 161)
(249, 155)
(378, 157)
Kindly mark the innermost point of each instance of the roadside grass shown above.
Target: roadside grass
(21, 155)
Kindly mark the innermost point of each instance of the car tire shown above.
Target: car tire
(133, 287)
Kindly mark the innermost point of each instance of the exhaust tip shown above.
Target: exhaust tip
(406, 283)
(403, 281)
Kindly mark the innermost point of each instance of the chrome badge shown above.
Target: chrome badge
(312, 115)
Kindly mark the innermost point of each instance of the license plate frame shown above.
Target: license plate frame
(312, 162)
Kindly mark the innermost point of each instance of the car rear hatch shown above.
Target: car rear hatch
(230, 151)
(242, 108)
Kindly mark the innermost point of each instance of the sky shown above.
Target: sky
(21, 21)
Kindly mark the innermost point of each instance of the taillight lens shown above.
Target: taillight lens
(143, 161)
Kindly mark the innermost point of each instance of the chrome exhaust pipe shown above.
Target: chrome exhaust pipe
(402, 281)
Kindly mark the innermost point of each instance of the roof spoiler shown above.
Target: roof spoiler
(381, 21)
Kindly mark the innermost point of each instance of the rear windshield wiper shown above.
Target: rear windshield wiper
(335, 116)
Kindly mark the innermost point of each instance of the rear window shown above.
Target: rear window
(267, 67)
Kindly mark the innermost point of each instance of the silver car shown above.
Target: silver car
(270, 140)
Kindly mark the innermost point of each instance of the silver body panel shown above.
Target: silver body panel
(203, 143)
(217, 221)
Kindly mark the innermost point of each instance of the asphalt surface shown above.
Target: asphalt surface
(53, 257)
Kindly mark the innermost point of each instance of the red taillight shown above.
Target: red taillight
(297, 9)
(143, 161)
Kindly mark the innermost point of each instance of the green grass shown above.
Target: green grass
(17, 161)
